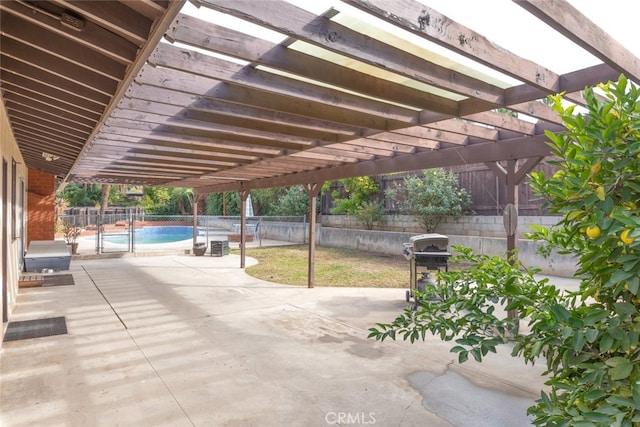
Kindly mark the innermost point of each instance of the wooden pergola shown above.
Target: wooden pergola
(139, 92)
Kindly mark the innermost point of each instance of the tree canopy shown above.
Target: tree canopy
(431, 198)
(588, 339)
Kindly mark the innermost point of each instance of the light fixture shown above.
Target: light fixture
(70, 21)
(49, 157)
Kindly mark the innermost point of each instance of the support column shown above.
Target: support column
(312, 190)
(512, 176)
(244, 194)
(512, 198)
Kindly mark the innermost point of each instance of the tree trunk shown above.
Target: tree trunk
(104, 200)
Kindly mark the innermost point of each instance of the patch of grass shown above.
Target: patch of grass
(333, 267)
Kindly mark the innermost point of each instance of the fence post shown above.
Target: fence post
(132, 231)
(98, 232)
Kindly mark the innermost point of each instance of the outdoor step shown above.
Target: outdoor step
(30, 280)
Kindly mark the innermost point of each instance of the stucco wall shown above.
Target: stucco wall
(10, 254)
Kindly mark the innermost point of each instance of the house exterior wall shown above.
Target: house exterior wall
(41, 216)
(12, 242)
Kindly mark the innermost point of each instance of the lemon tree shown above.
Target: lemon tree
(595, 367)
(589, 339)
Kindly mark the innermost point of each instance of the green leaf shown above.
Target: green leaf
(535, 349)
(635, 391)
(574, 214)
(620, 276)
(594, 394)
(591, 335)
(544, 397)
(595, 315)
(608, 409)
(578, 341)
(625, 309)
(597, 417)
(621, 401)
(566, 332)
(615, 361)
(634, 285)
(621, 370)
(560, 313)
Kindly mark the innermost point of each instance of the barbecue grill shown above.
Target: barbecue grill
(425, 252)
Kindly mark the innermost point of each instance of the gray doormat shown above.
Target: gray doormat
(35, 328)
(58, 280)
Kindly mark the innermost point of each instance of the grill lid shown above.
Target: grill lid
(421, 242)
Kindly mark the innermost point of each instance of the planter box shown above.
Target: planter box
(236, 237)
(47, 254)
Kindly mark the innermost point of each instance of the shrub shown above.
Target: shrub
(431, 198)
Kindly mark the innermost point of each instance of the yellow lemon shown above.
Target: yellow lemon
(624, 236)
(600, 192)
(593, 231)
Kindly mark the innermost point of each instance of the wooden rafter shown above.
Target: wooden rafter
(219, 109)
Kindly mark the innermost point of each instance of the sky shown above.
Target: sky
(503, 22)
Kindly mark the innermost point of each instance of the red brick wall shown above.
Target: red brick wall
(41, 213)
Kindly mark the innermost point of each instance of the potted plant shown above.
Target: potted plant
(199, 248)
(71, 233)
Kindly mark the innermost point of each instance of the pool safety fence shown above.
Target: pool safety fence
(135, 231)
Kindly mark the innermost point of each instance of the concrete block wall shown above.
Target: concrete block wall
(285, 231)
(392, 242)
(483, 226)
(492, 226)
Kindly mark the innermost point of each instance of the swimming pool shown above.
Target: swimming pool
(155, 234)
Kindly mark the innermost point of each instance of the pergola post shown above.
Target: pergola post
(312, 189)
(244, 194)
(512, 176)
(511, 198)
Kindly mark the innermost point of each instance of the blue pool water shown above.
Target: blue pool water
(155, 234)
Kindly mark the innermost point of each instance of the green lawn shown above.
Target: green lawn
(333, 267)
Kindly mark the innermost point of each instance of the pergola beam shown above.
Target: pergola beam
(517, 148)
(570, 22)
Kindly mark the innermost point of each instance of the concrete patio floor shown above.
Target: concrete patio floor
(182, 340)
